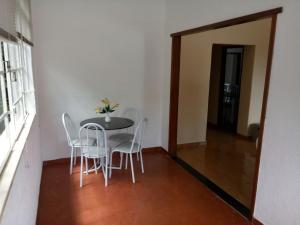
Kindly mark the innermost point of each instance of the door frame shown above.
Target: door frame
(175, 73)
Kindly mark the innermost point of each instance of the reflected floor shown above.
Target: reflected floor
(227, 160)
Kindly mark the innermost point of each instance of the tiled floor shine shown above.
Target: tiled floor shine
(227, 160)
(165, 195)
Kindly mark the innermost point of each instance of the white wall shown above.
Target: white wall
(88, 51)
(247, 88)
(22, 203)
(278, 195)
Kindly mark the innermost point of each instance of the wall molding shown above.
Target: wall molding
(231, 22)
(67, 160)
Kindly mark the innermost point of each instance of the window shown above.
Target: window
(16, 94)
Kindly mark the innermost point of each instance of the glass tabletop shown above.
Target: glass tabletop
(116, 123)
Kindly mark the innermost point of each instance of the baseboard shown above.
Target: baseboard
(256, 222)
(191, 145)
(56, 161)
(67, 160)
(155, 149)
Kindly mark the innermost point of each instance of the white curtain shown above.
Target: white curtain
(15, 17)
(23, 18)
(7, 16)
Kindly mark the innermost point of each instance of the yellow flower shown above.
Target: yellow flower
(105, 101)
(98, 110)
(107, 107)
(115, 106)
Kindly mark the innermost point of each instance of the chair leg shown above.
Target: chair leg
(121, 160)
(95, 165)
(137, 156)
(71, 160)
(86, 166)
(81, 168)
(102, 166)
(132, 169)
(142, 162)
(75, 156)
(110, 162)
(126, 161)
(106, 170)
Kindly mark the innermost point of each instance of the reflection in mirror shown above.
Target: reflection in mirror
(222, 78)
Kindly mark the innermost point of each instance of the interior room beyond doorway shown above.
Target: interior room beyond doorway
(221, 87)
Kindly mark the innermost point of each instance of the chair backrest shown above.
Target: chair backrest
(139, 134)
(69, 127)
(96, 131)
(133, 114)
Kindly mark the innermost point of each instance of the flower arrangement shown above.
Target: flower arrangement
(107, 108)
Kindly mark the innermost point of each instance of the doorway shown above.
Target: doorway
(174, 99)
(229, 93)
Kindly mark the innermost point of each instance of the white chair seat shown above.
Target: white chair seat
(85, 142)
(121, 137)
(94, 152)
(126, 147)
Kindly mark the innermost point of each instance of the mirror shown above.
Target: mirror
(221, 86)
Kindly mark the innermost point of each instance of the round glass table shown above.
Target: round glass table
(116, 123)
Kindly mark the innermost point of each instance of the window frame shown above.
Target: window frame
(14, 96)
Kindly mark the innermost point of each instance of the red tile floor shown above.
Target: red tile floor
(165, 195)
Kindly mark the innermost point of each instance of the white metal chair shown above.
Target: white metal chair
(131, 147)
(127, 134)
(99, 151)
(73, 140)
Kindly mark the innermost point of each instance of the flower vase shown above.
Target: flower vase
(107, 118)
